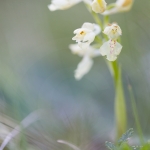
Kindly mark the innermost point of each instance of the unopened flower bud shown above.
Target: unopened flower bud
(98, 6)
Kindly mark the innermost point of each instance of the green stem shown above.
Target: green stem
(135, 113)
(97, 19)
(120, 105)
(98, 40)
(113, 66)
(95, 16)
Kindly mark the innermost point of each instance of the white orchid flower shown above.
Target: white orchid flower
(86, 63)
(111, 49)
(113, 31)
(62, 4)
(99, 6)
(120, 6)
(86, 34)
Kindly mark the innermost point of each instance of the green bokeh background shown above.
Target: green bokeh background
(37, 72)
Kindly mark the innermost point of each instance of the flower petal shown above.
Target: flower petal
(98, 6)
(97, 29)
(105, 48)
(88, 25)
(62, 4)
(84, 45)
(77, 50)
(83, 67)
(89, 37)
(111, 57)
(120, 6)
(52, 7)
(118, 48)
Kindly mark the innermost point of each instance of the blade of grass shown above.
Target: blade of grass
(31, 118)
(69, 144)
(135, 114)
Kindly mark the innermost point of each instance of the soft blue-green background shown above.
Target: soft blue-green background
(37, 71)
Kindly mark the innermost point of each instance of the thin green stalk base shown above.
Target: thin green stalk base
(120, 105)
(135, 114)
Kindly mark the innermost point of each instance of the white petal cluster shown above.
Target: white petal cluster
(62, 4)
(99, 6)
(112, 31)
(120, 6)
(111, 49)
(86, 63)
(84, 37)
(86, 34)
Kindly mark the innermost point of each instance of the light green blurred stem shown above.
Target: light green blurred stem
(120, 105)
(97, 19)
(95, 16)
(135, 113)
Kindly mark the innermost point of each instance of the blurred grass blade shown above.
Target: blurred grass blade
(31, 118)
(69, 144)
(135, 113)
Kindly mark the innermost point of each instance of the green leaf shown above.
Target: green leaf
(110, 145)
(126, 136)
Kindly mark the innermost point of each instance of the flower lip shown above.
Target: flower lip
(111, 49)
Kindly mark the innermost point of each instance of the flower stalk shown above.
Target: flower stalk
(110, 46)
(119, 105)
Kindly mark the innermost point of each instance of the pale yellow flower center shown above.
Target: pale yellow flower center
(114, 30)
(82, 33)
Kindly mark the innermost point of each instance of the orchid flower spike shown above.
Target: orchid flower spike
(62, 4)
(111, 48)
(120, 6)
(86, 63)
(86, 34)
(99, 6)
